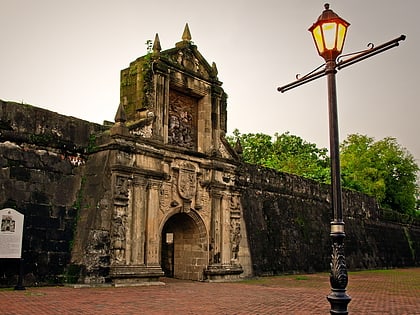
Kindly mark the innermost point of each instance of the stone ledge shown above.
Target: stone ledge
(124, 276)
(223, 273)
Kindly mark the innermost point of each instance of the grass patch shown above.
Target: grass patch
(375, 271)
(302, 277)
(29, 293)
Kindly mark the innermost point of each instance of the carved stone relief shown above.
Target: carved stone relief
(187, 181)
(121, 189)
(187, 59)
(118, 235)
(199, 194)
(186, 190)
(235, 226)
(182, 124)
(119, 219)
(144, 131)
(165, 194)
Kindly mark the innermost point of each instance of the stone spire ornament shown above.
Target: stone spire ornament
(214, 68)
(186, 36)
(156, 45)
(120, 128)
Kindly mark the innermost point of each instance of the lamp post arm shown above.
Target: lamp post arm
(370, 52)
(303, 80)
(344, 63)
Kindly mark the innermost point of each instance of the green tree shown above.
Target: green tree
(383, 169)
(294, 155)
(286, 153)
(255, 147)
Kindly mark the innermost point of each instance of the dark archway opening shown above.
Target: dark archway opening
(184, 250)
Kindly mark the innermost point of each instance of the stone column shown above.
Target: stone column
(221, 267)
(138, 221)
(215, 233)
(160, 105)
(141, 263)
(152, 224)
(215, 119)
(225, 227)
(165, 109)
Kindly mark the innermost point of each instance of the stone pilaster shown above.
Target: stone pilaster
(142, 261)
(138, 221)
(152, 227)
(221, 267)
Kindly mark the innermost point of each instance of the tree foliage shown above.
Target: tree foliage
(382, 169)
(286, 153)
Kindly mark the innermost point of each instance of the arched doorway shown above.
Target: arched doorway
(184, 249)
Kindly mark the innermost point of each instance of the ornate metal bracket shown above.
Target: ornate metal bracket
(357, 56)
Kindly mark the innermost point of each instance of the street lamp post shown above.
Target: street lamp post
(329, 33)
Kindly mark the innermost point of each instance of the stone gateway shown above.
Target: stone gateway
(169, 204)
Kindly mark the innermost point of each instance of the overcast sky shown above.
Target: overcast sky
(66, 56)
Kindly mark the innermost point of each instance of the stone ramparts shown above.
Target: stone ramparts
(288, 224)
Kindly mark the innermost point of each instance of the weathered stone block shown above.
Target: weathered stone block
(20, 173)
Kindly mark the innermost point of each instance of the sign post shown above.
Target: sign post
(11, 235)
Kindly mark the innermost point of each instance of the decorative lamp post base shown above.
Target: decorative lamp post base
(338, 299)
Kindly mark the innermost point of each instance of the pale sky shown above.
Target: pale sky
(66, 56)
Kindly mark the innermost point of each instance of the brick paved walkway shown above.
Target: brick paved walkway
(373, 292)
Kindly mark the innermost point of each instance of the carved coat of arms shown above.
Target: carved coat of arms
(187, 182)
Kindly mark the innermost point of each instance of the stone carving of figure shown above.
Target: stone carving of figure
(121, 187)
(118, 239)
(236, 240)
(181, 121)
(235, 224)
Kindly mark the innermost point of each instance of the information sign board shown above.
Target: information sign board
(11, 232)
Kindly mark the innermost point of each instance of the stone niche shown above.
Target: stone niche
(167, 205)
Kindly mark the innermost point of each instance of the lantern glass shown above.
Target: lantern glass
(341, 35)
(319, 41)
(329, 33)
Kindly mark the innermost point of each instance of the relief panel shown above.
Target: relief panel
(182, 124)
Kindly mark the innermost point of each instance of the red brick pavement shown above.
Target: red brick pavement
(374, 292)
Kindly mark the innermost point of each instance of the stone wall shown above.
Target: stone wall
(288, 217)
(41, 154)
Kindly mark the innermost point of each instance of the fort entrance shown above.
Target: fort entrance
(169, 205)
(184, 253)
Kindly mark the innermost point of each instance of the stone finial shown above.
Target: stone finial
(156, 45)
(119, 128)
(186, 36)
(120, 116)
(238, 147)
(214, 67)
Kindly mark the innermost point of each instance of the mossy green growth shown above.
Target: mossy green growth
(147, 74)
(92, 147)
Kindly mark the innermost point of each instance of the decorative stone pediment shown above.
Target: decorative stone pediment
(186, 56)
(174, 96)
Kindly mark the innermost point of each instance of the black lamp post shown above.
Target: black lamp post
(329, 33)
